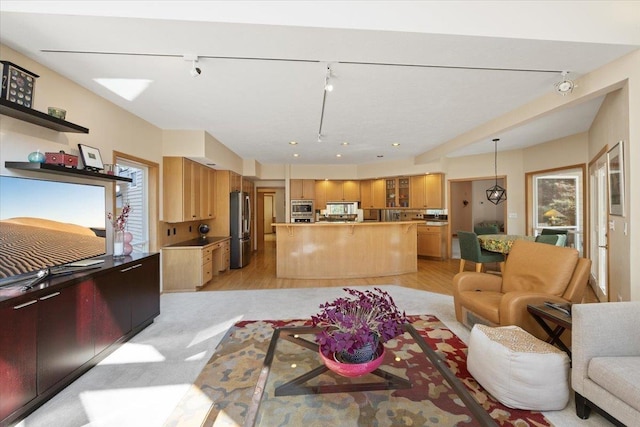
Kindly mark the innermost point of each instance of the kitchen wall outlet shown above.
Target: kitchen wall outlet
(513, 215)
(612, 225)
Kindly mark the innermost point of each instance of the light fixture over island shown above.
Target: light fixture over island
(345, 250)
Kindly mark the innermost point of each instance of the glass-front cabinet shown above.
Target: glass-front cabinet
(397, 192)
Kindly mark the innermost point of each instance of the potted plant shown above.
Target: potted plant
(355, 325)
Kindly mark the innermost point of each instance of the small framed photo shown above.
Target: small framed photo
(91, 158)
(615, 163)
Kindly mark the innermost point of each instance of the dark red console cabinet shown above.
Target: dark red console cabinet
(54, 333)
(18, 334)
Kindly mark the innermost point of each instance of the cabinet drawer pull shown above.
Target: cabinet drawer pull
(55, 294)
(18, 307)
(130, 268)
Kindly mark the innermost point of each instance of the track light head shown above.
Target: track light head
(195, 71)
(565, 86)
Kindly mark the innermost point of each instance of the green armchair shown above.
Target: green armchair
(470, 250)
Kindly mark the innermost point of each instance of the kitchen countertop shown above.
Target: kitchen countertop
(199, 242)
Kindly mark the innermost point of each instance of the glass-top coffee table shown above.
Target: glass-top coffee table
(413, 386)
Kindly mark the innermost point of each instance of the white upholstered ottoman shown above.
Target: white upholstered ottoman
(518, 369)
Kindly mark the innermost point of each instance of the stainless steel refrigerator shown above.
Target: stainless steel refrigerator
(240, 217)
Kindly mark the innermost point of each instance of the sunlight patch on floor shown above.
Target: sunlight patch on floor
(134, 353)
(106, 407)
(197, 356)
(224, 420)
(213, 330)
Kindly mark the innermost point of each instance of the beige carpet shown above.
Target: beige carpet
(140, 384)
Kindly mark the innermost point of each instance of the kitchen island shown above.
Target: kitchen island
(332, 250)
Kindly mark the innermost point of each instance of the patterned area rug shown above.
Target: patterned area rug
(222, 393)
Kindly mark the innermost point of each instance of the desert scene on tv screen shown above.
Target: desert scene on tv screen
(48, 223)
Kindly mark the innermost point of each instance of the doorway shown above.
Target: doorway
(269, 209)
(598, 236)
(468, 205)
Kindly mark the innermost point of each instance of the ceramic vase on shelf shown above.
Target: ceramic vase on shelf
(118, 243)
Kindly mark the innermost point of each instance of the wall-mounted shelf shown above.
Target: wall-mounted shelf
(63, 170)
(39, 118)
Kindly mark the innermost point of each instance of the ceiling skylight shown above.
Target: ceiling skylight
(128, 89)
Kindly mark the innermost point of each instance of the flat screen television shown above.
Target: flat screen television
(45, 224)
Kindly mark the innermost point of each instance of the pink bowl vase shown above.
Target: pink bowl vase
(353, 370)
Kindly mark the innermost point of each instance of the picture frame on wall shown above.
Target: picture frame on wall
(615, 166)
(91, 158)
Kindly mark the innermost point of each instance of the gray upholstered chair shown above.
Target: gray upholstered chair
(605, 345)
(470, 250)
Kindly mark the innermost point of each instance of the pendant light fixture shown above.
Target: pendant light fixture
(496, 194)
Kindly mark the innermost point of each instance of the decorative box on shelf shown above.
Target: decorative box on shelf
(18, 84)
(61, 159)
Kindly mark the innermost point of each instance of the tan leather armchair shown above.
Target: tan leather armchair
(533, 273)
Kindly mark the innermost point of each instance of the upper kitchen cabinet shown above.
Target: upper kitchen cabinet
(397, 192)
(426, 191)
(372, 193)
(207, 193)
(302, 189)
(181, 189)
(336, 191)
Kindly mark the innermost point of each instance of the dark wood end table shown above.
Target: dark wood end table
(548, 318)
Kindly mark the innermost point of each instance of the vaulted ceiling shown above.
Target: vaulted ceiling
(401, 75)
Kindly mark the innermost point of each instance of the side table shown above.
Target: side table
(559, 320)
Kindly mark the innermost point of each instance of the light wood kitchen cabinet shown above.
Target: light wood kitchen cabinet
(372, 193)
(426, 191)
(351, 191)
(235, 182)
(181, 189)
(224, 256)
(336, 191)
(302, 189)
(397, 192)
(207, 193)
(432, 241)
(188, 268)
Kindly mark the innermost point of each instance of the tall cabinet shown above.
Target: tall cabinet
(372, 193)
(188, 190)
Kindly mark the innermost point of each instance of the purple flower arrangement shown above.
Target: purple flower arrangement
(119, 223)
(353, 322)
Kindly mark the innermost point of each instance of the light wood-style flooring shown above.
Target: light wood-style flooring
(432, 275)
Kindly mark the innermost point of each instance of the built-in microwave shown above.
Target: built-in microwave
(302, 211)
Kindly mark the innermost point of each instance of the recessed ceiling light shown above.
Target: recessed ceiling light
(338, 155)
(345, 143)
(296, 155)
(396, 144)
(293, 143)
